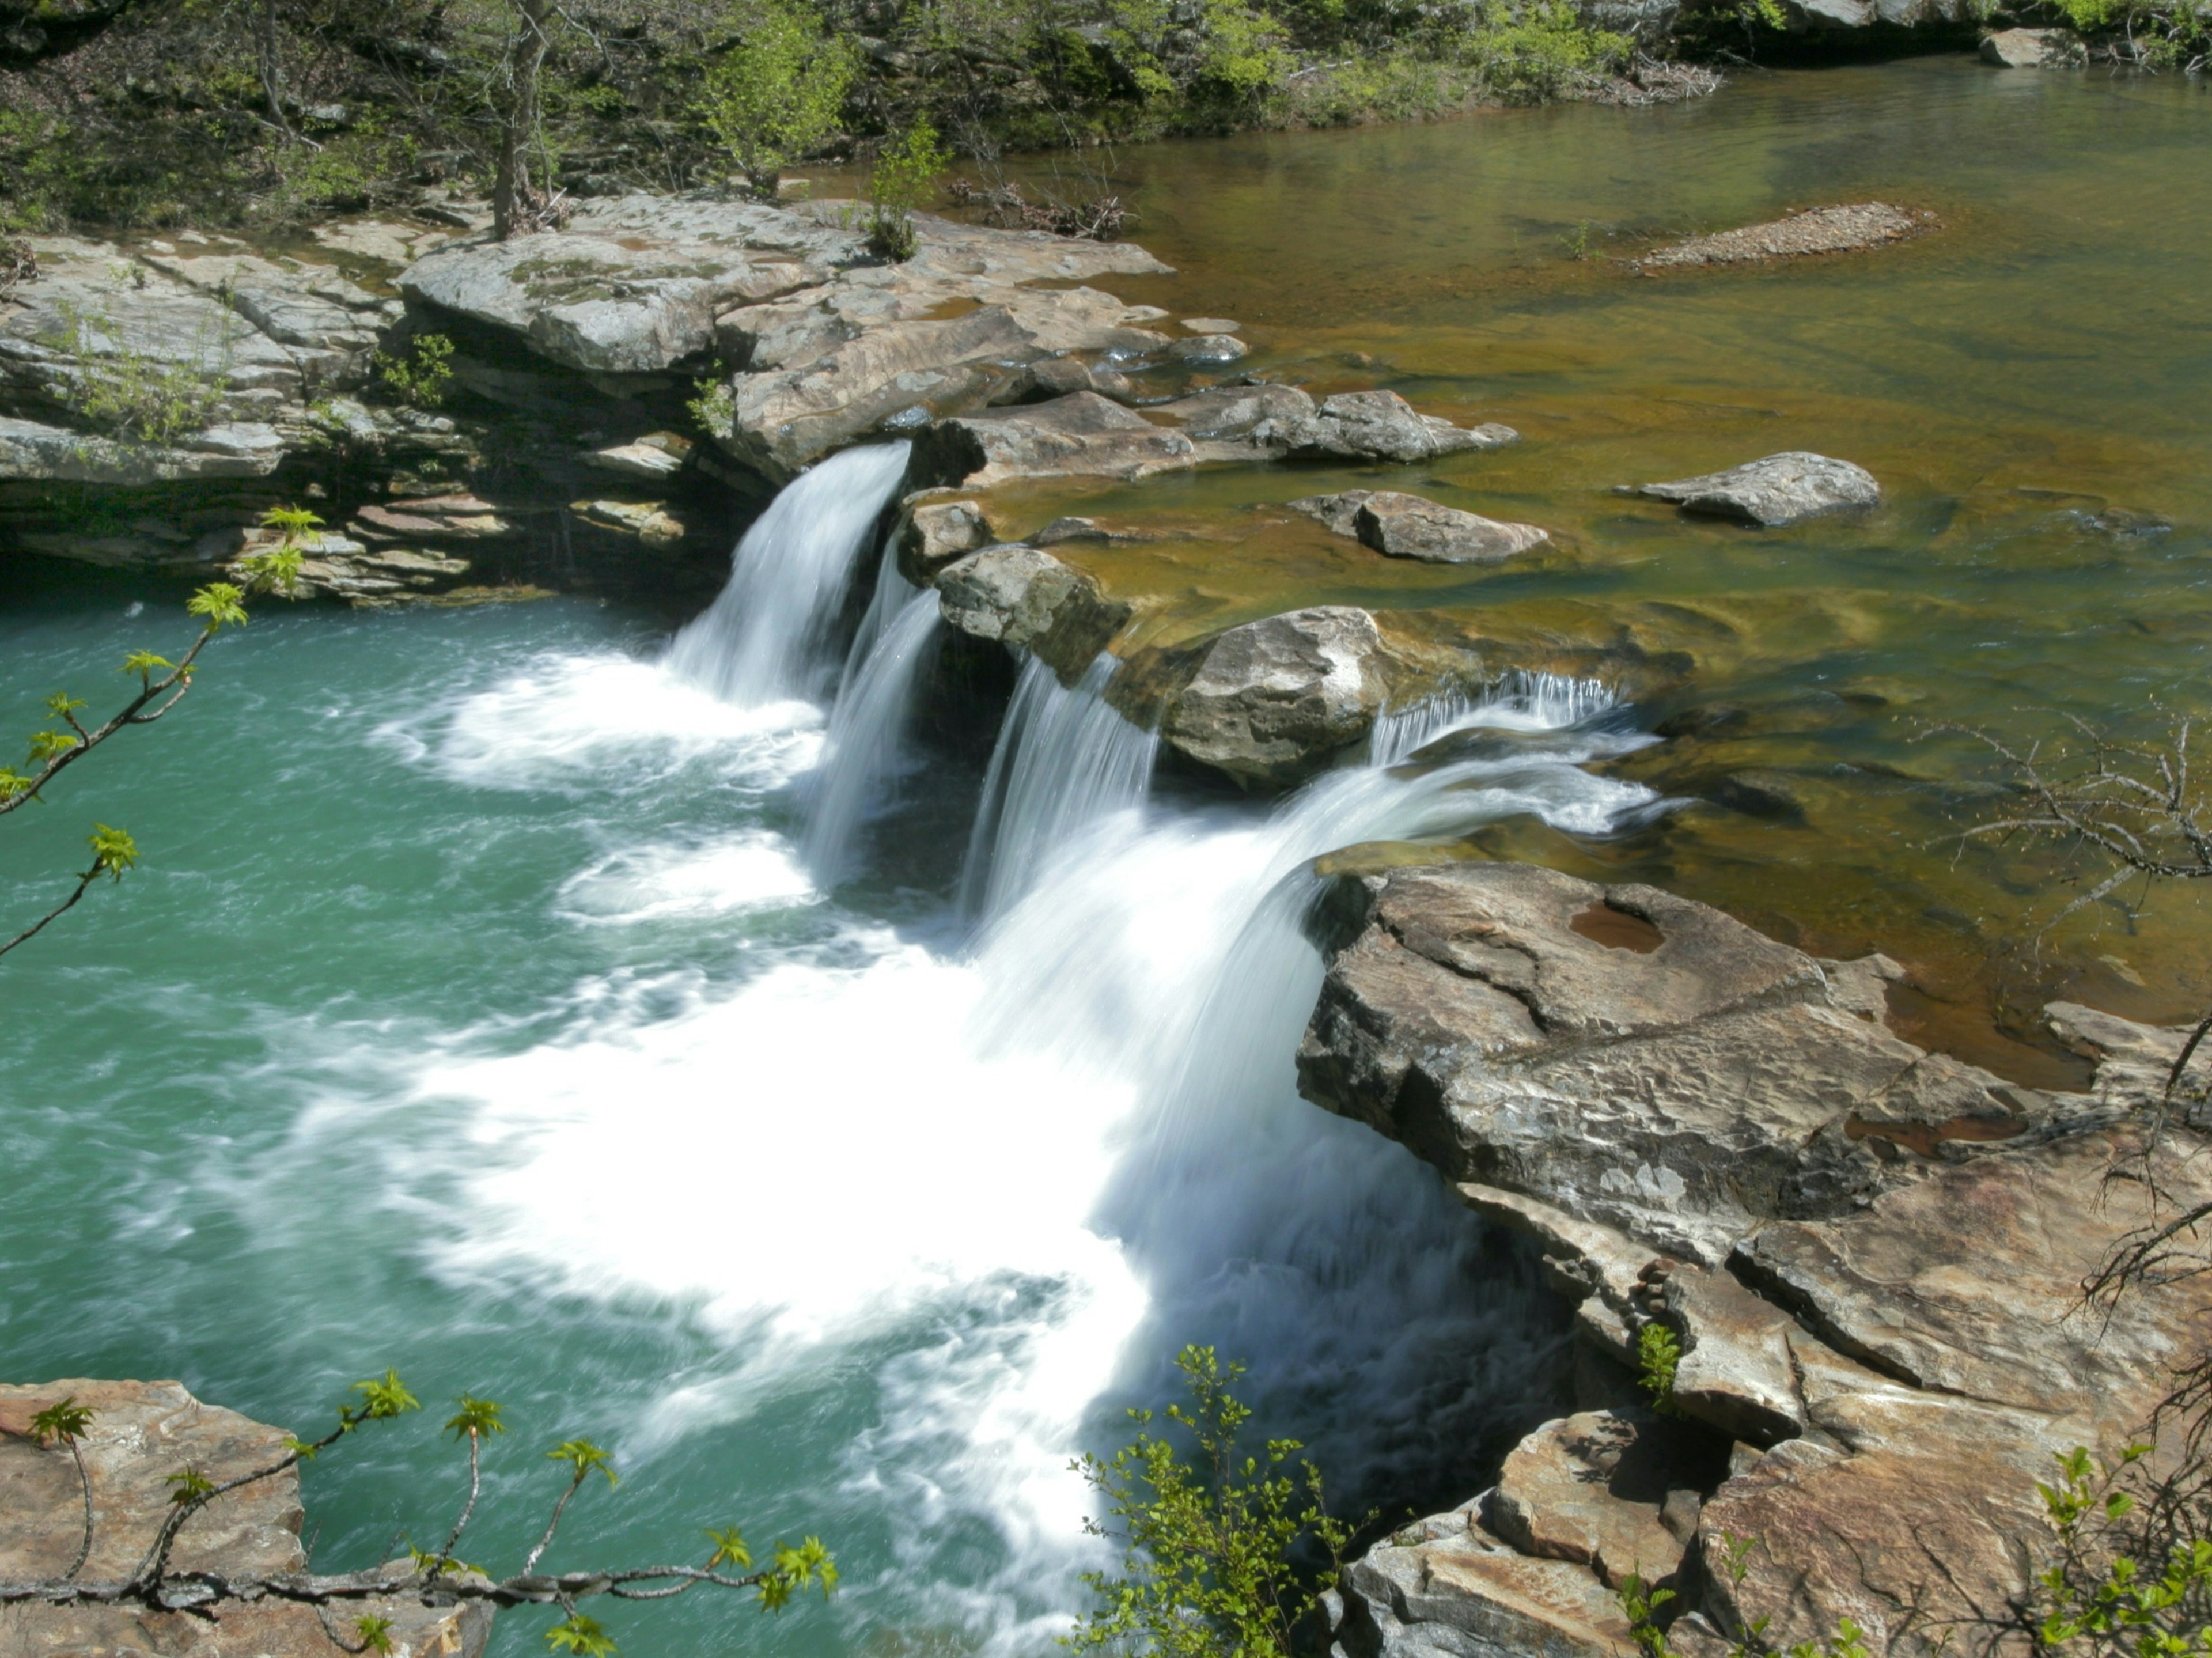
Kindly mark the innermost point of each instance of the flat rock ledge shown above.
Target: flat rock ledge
(141, 1432)
(1845, 227)
(1871, 1255)
(1773, 490)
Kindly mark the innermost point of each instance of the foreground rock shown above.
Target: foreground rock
(2034, 49)
(1413, 526)
(141, 1433)
(1869, 1255)
(1275, 700)
(1844, 228)
(1775, 490)
(1023, 596)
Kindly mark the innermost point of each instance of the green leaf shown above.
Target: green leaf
(383, 1397)
(375, 1632)
(729, 1549)
(60, 702)
(144, 663)
(51, 746)
(582, 1456)
(113, 851)
(189, 1486)
(65, 1420)
(476, 1419)
(580, 1634)
(219, 605)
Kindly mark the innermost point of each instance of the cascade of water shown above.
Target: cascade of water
(892, 592)
(1518, 700)
(766, 638)
(865, 732)
(1064, 762)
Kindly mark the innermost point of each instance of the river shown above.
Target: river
(845, 1129)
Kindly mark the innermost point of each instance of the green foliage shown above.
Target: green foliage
(477, 1418)
(778, 92)
(1207, 1567)
(714, 407)
(1534, 51)
(135, 396)
(904, 173)
(381, 1399)
(580, 1634)
(188, 1485)
(1658, 1354)
(1244, 58)
(1642, 1605)
(2119, 1588)
(582, 1456)
(113, 851)
(2156, 33)
(730, 1550)
(810, 1565)
(418, 377)
(219, 605)
(66, 1420)
(375, 1632)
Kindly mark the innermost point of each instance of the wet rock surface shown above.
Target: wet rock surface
(1022, 596)
(1274, 701)
(1773, 490)
(141, 1433)
(1710, 1131)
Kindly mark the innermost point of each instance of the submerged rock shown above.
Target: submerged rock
(141, 1434)
(2034, 49)
(1844, 229)
(1276, 700)
(1022, 596)
(1383, 426)
(1774, 490)
(1208, 348)
(1413, 526)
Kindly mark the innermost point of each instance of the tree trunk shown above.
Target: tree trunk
(511, 194)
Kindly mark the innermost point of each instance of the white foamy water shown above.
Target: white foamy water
(1005, 1179)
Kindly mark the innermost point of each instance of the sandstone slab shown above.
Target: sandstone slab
(1401, 525)
(1080, 435)
(2034, 49)
(1022, 596)
(141, 1433)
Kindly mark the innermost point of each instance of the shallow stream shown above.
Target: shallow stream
(480, 1009)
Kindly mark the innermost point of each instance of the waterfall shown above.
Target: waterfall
(1518, 700)
(766, 638)
(865, 731)
(892, 592)
(1064, 761)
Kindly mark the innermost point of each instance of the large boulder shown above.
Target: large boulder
(2034, 49)
(1022, 596)
(1775, 490)
(141, 1434)
(1274, 701)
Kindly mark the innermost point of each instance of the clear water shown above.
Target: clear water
(475, 1011)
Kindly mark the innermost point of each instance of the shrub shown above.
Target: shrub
(1207, 1565)
(419, 376)
(777, 92)
(898, 183)
(137, 398)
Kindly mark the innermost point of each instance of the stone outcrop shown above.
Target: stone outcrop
(1266, 421)
(1773, 490)
(1871, 1255)
(2034, 49)
(1276, 700)
(1082, 434)
(1412, 526)
(1846, 228)
(141, 1433)
(1022, 596)
(931, 533)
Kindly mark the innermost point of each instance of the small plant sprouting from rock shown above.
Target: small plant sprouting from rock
(435, 1579)
(135, 396)
(1207, 1565)
(1576, 242)
(898, 183)
(1658, 1354)
(419, 376)
(714, 406)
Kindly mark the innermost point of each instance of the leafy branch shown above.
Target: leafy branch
(161, 685)
(436, 1580)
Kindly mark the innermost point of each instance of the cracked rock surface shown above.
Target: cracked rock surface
(1869, 1255)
